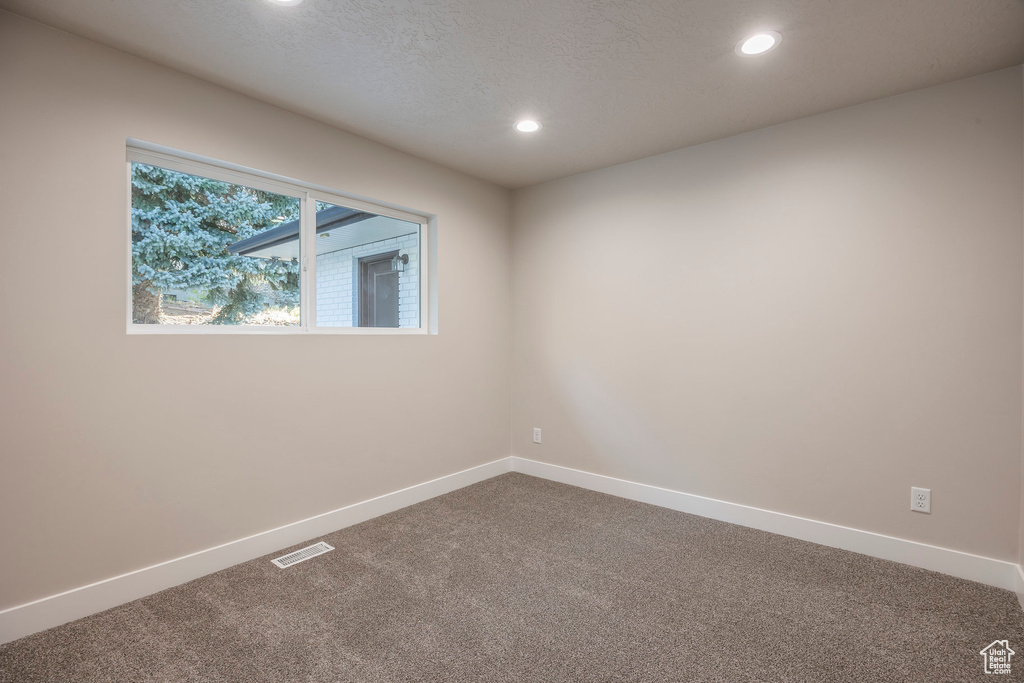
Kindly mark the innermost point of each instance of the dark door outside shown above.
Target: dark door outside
(378, 291)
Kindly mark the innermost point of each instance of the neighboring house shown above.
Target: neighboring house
(367, 266)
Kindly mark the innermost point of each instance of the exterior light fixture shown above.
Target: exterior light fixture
(398, 263)
(759, 43)
(527, 126)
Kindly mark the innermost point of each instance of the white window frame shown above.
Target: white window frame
(307, 194)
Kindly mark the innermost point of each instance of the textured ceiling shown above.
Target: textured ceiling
(611, 80)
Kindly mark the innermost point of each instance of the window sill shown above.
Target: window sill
(271, 330)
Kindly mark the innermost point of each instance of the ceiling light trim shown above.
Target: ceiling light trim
(755, 43)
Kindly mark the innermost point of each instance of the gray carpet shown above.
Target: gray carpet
(519, 579)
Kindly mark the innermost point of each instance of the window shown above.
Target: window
(215, 248)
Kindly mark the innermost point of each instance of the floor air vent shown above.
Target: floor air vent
(302, 555)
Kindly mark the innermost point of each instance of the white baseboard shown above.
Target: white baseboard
(1019, 587)
(953, 562)
(22, 620)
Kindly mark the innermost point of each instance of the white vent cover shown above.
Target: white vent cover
(302, 555)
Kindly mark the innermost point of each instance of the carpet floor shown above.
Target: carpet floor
(519, 579)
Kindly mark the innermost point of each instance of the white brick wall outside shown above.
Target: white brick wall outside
(337, 283)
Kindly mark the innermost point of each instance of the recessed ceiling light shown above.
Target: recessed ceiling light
(759, 43)
(287, 3)
(527, 126)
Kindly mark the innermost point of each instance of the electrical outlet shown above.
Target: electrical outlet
(921, 500)
(536, 434)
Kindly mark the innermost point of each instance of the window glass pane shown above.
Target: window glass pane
(367, 269)
(207, 252)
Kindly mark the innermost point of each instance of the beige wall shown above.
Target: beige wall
(809, 318)
(1020, 542)
(117, 451)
